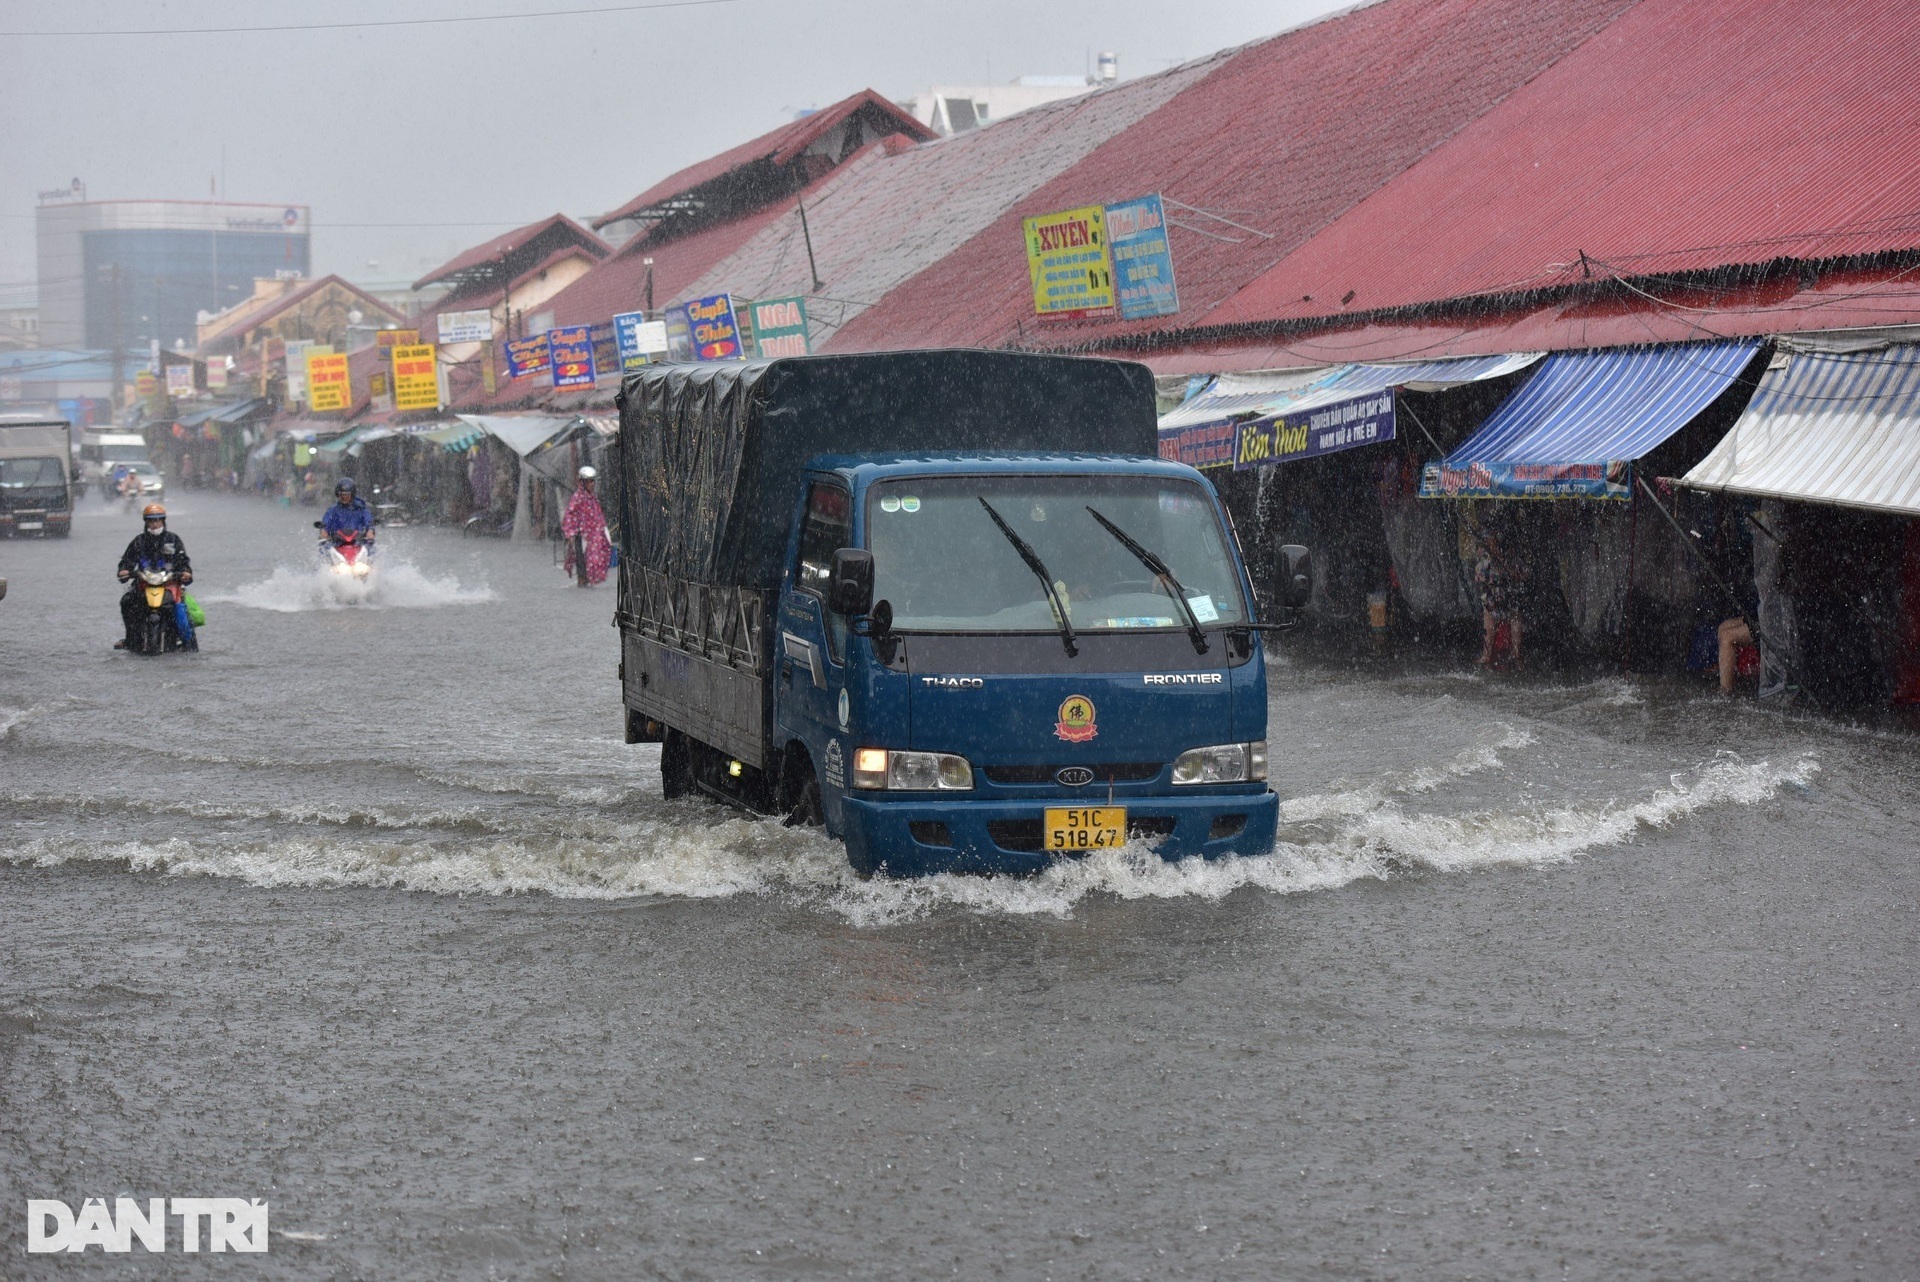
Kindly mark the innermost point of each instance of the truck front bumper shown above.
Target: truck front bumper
(918, 838)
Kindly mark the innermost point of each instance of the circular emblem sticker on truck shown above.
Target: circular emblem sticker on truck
(1076, 720)
(891, 503)
(846, 712)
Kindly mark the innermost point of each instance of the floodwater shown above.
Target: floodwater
(367, 911)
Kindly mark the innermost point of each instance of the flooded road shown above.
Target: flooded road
(367, 911)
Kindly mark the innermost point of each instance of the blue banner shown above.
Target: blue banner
(1527, 481)
(626, 332)
(572, 349)
(1142, 260)
(679, 333)
(1201, 445)
(716, 330)
(1363, 420)
(527, 356)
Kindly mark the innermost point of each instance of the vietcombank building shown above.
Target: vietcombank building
(122, 273)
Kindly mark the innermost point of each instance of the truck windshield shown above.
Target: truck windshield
(944, 566)
(123, 453)
(30, 473)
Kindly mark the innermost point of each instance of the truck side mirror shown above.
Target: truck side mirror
(850, 583)
(1293, 577)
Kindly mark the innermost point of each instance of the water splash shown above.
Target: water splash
(397, 585)
(690, 850)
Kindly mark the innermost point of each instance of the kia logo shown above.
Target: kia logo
(1074, 776)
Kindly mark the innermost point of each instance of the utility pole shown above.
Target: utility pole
(649, 263)
(119, 343)
(807, 234)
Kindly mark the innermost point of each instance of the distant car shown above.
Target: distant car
(151, 482)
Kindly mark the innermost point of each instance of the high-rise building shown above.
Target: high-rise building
(125, 273)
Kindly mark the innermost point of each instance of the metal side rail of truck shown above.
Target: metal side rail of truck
(948, 604)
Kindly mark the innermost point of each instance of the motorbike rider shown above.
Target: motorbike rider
(154, 545)
(349, 513)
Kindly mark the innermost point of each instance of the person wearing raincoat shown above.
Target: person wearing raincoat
(584, 528)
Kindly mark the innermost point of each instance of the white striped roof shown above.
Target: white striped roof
(1827, 427)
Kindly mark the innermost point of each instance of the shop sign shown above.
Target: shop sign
(216, 375)
(1142, 259)
(1202, 444)
(780, 328)
(296, 357)
(1527, 481)
(1068, 264)
(714, 329)
(395, 337)
(179, 381)
(416, 378)
(466, 327)
(1363, 420)
(144, 383)
(571, 348)
(528, 356)
(679, 333)
(640, 340)
(327, 381)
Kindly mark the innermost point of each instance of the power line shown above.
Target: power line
(391, 22)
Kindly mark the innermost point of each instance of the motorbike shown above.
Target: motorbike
(348, 559)
(166, 626)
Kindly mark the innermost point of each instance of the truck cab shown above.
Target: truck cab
(1043, 656)
(36, 477)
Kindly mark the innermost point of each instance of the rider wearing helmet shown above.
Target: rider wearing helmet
(348, 513)
(154, 545)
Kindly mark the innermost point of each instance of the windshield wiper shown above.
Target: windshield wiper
(1160, 571)
(1039, 569)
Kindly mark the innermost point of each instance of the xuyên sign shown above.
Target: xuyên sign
(1068, 264)
(639, 339)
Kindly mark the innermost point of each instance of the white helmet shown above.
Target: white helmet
(587, 474)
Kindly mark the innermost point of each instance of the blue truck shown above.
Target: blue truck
(948, 604)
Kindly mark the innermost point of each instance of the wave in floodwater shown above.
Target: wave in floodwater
(689, 850)
(396, 585)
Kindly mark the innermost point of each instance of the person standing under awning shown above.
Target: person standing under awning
(584, 527)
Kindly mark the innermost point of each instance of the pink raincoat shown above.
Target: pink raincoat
(584, 518)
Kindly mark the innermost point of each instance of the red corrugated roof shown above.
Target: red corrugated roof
(1281, 136)
(780, 145)
(1691, 134)
(557, 227)
(1839, 301)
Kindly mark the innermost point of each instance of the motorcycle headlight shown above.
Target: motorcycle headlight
(1222, 763)
(911, 771)
(360, 569)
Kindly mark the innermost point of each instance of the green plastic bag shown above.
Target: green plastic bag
(195, 615)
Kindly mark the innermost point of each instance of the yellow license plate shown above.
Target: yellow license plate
(1086, 827)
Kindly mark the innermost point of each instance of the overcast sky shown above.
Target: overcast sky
(412, 142)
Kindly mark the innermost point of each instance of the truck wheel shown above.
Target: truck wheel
(803, 806)
(676, 765)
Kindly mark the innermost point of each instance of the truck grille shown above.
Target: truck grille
(1117, 772)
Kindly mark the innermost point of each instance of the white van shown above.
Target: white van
(101, 452)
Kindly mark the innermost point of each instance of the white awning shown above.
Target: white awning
(1827, 427)
(521, 433)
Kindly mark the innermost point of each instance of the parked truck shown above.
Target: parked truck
(948, 604)
(36, 476)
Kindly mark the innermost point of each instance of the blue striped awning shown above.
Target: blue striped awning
(1572, 427)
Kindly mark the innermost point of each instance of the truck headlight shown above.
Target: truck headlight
(911, 771)
(1222, 763)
